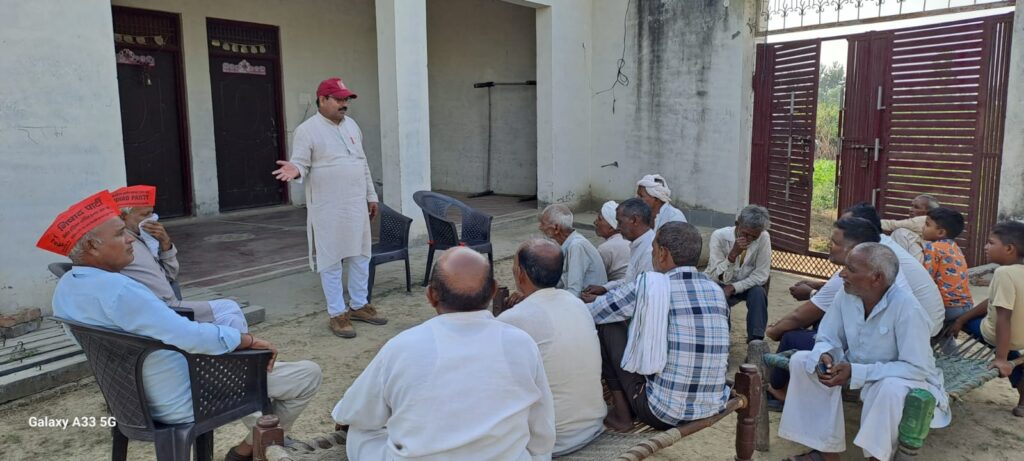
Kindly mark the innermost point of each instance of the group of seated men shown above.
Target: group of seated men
(881, 343)
(528, 383)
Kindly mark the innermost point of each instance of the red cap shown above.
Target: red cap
(133, 196)
(334, 87)
(77, 221)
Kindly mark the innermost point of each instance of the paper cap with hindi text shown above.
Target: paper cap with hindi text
(77, 221)
(134, 196)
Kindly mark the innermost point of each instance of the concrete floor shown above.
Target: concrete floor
(255, 245)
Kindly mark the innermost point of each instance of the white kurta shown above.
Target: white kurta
(890, 354)
(333, 166)
(565, 333)
(458, 387)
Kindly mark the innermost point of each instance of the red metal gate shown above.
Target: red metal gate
(924, 114)
(925, 109)
(782, 159)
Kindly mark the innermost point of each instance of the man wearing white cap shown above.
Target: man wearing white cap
(615, 249)
(654, 191)
(327, 155)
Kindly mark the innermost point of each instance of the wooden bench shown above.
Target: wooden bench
(637, 444)
(963, 371)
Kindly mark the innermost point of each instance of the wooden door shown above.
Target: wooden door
(152, 118)
(245, 80)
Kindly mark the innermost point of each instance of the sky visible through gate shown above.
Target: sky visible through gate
(835, 51)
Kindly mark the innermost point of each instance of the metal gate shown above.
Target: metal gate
(925, 109)
(782, 159)
(924, 114)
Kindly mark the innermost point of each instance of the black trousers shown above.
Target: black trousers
(757, 310)
(613, 338)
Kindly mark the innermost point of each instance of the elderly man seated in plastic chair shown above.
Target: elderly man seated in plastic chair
(876, 338)
(156, 259)
(94, 237)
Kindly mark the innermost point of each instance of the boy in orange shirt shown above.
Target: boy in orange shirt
(999, 321)
(945, 262)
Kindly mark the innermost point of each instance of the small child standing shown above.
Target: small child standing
(999, 321)
(945, 262)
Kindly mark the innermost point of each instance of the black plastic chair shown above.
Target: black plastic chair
(224, 389)
(59, 269)
(393, 244)
(442, 233)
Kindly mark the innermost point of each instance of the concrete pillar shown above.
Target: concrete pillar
(60, 131)
(1011, 182)
(404, 105)
(563, 102)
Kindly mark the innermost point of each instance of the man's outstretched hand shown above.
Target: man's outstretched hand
(287, 172)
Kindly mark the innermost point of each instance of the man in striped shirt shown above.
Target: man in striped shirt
(692, 384)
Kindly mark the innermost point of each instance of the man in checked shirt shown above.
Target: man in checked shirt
(691, 385)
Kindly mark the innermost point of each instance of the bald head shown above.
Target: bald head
(541, 261)
(461, 280)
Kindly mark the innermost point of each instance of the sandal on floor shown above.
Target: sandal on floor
(233, 455)
(1018, 411)
(813, 455)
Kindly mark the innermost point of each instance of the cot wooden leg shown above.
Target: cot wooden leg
(918, 409)
(267, 432)
(755, 355)
(748, 384)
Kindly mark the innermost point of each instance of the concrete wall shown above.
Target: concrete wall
(685, 110)
(1011, 183)
(564, 89)
(319, 39)
(471, 41)
(60, 131)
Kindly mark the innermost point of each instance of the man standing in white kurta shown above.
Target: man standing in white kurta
(876, 338)
(327, 155)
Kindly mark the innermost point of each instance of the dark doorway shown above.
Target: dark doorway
(153, 128)
(245, 80)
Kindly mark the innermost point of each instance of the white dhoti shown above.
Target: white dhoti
(813, 414)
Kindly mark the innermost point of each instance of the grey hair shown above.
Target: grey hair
(754, 217)
(82, 245)
(930, 202)
(559, 215)
(881, 259)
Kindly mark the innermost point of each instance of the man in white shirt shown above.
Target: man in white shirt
(327, 155)
(583, 266)
(654, 191)
(615, 249)
(156, 267)
(634, 217)
(907, 232)
(460, 386)
(876, 339)
(741, 261)
(920, 282)
(564, 331)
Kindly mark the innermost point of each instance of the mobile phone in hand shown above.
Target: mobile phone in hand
(823, 369)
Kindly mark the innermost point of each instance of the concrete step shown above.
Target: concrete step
(48, 358)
